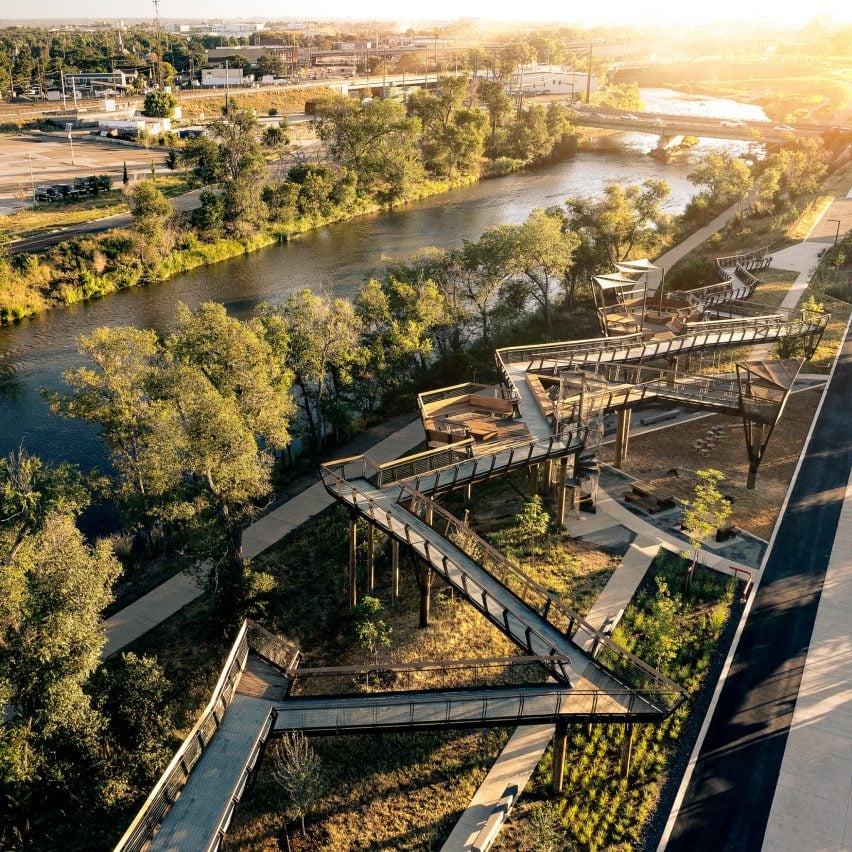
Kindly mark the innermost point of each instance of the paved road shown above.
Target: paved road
(187, 201)
(729, 796)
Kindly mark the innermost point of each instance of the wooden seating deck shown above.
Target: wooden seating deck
(649, 497)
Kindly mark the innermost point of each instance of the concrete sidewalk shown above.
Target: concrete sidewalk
(669, 258)
(521, 755)
(280, 522)
(148, 611)
(164, 601)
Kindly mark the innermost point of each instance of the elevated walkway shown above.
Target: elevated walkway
(532, 617)
(633, 348)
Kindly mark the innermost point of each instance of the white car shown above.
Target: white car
(733, 124)
(628, 117)
(785, 128)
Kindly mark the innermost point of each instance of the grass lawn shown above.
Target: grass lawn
(407, 790)
(599, 809)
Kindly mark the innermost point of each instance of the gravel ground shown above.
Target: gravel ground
(650, 457)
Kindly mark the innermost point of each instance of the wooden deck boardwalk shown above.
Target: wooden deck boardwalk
(193, 822)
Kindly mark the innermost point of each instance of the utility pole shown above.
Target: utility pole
(589, 76)
(32, 179)
(227, 89)
(159, 45)
(68, 127)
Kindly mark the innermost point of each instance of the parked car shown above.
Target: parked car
(46, 193)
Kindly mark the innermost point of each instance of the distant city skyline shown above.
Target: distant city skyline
(616, 11)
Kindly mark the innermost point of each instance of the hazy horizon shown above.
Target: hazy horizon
(623, 12)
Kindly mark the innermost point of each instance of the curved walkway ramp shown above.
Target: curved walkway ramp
(738, 776)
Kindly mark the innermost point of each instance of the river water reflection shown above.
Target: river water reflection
(34, 353)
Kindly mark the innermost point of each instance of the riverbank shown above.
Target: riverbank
(32, 288)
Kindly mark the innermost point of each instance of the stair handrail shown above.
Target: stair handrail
(573, 620)
(176, 774)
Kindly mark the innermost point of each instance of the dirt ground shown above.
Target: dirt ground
(650, 457)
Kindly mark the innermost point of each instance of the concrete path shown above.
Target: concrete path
(669, 258)
(271, 528)
(617, 593)
(148, 611)
(811, 808)
(521, 755)
(804, 258)
(164, 601)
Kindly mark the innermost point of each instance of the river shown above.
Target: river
(35, 352)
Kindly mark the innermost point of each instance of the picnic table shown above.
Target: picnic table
(649, 497)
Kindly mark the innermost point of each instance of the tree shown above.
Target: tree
(298, 769)
(275, 136)
(497, 102)
(625, 220)
(133, 695)
(703, 515)
(160, 104)
(232, 158)
(31, 491)
(51, 597)
(452, 137)
(797, 169)
(399, 318)
(532, 522)
(376, 141)
(484, 266)
(227, 398)
(152, 216)
(323, 337)
(372, 632)
(272, 64)
(727, 178)
(542, 254)
(190, 422)
(116, 395)
(662, 629)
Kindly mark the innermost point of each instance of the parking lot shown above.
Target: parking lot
(50, 156)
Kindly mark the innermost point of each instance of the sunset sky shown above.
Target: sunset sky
(615, 11)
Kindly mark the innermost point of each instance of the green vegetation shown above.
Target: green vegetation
(783, 206)
(160, 104)
(378, 155)
(703, 515)
(598, 809)
(47, 216)
(77, 739)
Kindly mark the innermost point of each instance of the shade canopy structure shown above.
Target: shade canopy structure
(641, 264)
(611, 282)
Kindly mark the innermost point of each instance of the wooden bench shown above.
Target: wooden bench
(543, 401)
(492, 404)
(649, 497)
(482, 430)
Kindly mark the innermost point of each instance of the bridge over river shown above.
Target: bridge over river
(669, 127)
